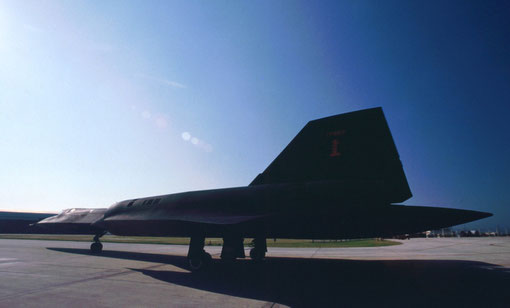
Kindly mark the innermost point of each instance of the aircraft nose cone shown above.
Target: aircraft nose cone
(43, 224)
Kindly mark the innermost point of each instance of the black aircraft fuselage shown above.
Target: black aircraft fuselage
(339, 178)
(316, 210)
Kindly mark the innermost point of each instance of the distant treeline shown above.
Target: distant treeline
(448, 232)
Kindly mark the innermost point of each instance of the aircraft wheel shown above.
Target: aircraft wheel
(96, 247)
(257, 254)
(199, 263)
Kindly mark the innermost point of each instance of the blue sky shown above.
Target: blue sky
(102, 101)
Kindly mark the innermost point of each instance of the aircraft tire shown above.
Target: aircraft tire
(96, 247)
(257, 254)
(199, 263)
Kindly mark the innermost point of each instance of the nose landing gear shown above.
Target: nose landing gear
(97, 247)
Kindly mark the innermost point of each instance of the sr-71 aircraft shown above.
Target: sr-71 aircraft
(339, 178)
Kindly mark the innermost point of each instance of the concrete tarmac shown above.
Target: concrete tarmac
(451, 272)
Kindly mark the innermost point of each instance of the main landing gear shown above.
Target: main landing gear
(232, 249)
(198, 259)
(97, 247)
(258, 252)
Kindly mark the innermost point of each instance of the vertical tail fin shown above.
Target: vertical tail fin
(350, 147)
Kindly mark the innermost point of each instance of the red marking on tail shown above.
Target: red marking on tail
(334, 148)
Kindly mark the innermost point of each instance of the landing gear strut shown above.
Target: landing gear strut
(198, 259)
(233, 248)
(97, 247)
(258, 252)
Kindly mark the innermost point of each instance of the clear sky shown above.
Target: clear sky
(102, 101)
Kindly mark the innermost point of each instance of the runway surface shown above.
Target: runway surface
(452, 272)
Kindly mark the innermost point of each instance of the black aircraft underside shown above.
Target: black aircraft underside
(339, 178)
(388, 222)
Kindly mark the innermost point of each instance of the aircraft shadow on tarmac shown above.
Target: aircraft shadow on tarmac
(320, 282)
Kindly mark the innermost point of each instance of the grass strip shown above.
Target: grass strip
(209, 241)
